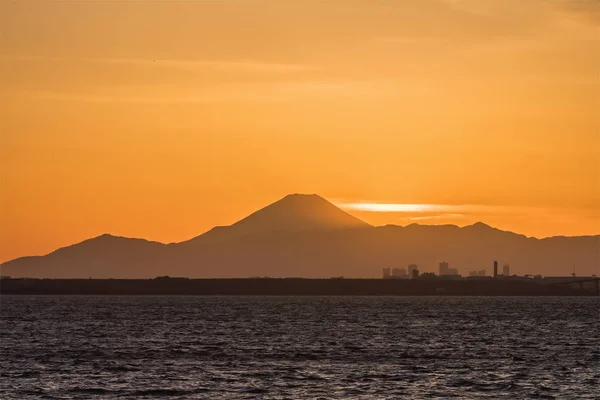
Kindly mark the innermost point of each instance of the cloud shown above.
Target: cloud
(278, 91)
(436, 217)
(221, 65)
(430, 211)
(127, 98)
(406, 208)
(476, 8)
(526, 23)
(231, 66)
(586, 11)
(410, 40)
(423, 212)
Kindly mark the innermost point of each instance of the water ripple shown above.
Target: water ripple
(109, 347)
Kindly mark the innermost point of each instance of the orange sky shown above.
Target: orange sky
(163, 119)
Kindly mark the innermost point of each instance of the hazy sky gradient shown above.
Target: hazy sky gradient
(162, 119)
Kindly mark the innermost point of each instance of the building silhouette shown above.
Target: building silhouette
(443, 268)
(506, 270)
(411, 268)
(399, 273)
(495, 269)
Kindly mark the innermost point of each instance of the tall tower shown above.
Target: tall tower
(444, 268)
(495, 269)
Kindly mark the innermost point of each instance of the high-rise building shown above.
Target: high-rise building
(399, 273)
(443, 268)
(386, 273)
(506, 270)
(495, 269)
(411, 268)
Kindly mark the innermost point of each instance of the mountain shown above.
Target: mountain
(102, 256)
(306, 236)
(292, 214)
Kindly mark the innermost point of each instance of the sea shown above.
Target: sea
(147, 347)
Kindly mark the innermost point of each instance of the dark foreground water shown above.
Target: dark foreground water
(299, 347)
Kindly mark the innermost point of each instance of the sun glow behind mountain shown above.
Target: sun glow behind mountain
(381, 213)
(438, 112)
(391, 207)
(415, 212)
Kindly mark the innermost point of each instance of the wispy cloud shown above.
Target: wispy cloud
(432, 211)
(418, 212)
(437, 217)
(232, 66)
(408, 208)
(221, 65)
(129, 98)
(476, 8)
(420, 40)
(277, 91)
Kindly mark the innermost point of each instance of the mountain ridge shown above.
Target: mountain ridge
(305, 235)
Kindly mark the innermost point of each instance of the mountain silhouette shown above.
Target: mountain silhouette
(102, 256)
(293, 213)
(307, 236)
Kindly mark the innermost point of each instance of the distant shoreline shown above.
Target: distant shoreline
(297, 287)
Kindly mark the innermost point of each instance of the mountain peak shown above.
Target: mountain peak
(298, 212)
(300, 198)
(302, 195)
(105, 236)
(479, 225)
(293, 213)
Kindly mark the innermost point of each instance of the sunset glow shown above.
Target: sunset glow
(299, 198)
(413, 208)
(175, 117)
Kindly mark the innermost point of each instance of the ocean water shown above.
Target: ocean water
(108, 347)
